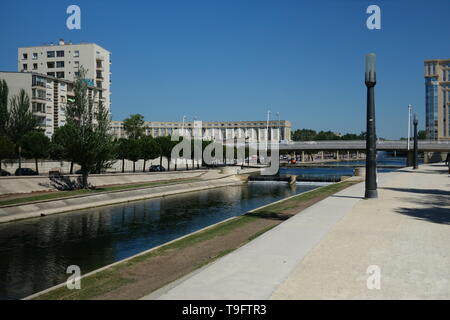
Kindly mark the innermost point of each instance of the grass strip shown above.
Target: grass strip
(299, 201)
(112, 278)
(109, 279)
(64, 194)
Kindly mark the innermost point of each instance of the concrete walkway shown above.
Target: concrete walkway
(324, 252)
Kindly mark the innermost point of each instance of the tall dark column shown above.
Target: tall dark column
(371, 147)
(416, 145)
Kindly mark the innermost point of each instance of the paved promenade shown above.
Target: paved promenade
(324, 252)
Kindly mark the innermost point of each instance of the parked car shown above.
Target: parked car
(25, 172)
(156, 168)
(4, 173)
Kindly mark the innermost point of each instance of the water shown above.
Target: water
(35, 253)
(344, 170)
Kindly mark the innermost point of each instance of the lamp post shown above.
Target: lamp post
(371, 147)
(416, 145)
(409, 124)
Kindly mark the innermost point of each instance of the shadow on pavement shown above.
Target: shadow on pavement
(435, 205)
(420, 191)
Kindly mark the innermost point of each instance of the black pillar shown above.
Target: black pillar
(416, 145)
(371, 147)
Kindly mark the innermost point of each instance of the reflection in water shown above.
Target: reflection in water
(34, 254)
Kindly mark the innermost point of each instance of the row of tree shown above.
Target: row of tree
(85, 139)
(312, 135)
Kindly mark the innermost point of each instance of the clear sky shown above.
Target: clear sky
(221, 60)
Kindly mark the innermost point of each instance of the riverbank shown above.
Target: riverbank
(206, 180)
(138, 275)
(344, 247)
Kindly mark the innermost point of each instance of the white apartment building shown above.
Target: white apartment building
(48, 96)
(253, 130)
(63, 61)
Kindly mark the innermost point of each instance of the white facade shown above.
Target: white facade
(48, 96)
(253, 130)
(63, 61)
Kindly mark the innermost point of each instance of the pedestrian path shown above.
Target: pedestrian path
(325, 251)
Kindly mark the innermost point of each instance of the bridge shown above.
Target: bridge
(360, 145)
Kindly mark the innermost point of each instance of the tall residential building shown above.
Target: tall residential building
(254, 130)
(63, 61)
(48, 96)
(437, 99)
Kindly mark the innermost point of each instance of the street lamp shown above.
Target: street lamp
(409, 124)
(416, 144)
(371, 147)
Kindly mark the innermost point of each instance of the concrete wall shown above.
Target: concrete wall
(46, 165)
(16, 185)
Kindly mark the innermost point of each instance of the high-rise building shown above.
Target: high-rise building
(437, 99)
(63, 61)
(48, 96)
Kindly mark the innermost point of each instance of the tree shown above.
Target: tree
(304, 135)
(87, 130)
(4, 114)
(422, 135)
(122, 151)
(21, 119)
(133, 151)
(37, 146)
(134, 126)
(6, 149)
(149, 149)
(165, 149)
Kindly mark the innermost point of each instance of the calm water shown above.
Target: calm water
(34, 254)
(343, 171)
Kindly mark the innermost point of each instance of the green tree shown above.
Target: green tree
(304, 135)
(134, 126)
(6, 149)
(149, 149)
(422, 135)
(21, 119)
(122, 151)
(134, 152)
(88, 130)
(165, 149)
(4, 114)
(36, 145)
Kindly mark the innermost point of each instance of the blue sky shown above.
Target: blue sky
(221, 60)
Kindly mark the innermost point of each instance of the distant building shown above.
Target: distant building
(63, 60)
(254, 130)
(48, 96)
(437, 99)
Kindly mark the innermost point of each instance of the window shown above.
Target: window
(99, 75)
(50, 65)
(76, 64)
(35, 66)
(38, 107)
(76, 53)
(99, 84)
(77, 74)
(35, 55)
(51, 74)
(50, 54)
(60, 64)
(25, 56)
(25, 67)
(60, 53)
(60, 75)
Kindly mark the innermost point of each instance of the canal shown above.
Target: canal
(35, 253)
